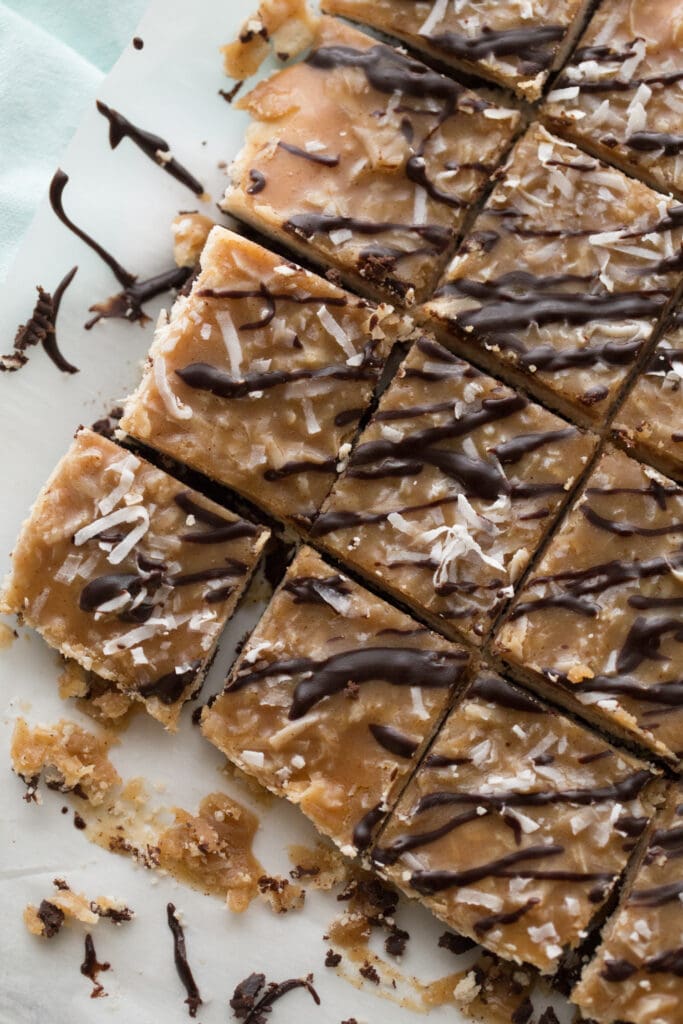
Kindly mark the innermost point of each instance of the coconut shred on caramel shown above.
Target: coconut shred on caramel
(620, 94)
(599, 623)
(515, 44)
(651, 419)
(450, 490)
(517, 824)
(637, 973)
(563, 277)
(363, 158)
(261, 375)
(125, 570)
(332, 698)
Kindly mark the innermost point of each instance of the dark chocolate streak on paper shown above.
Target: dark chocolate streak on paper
(151, 145)
(194, 999)
(127, 304)
(91, 967)
(399, 666)
(41, 328)
(532, 45)
(393, 740)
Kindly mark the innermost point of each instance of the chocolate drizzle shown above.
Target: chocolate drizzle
(194, 999)
(127, 304)
(363, 831)
(393, 740)
(153, 146)
(271, 299)
(314, 158)
(170, 687)
(399, 666)
(312, 589)
(486, 924)
(430, 882)
(407, 456)
(205, 377)
(41, 328)
(655, 142)
(533, 46)
(306, 225)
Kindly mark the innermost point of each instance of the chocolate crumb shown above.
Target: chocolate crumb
(455, 943)
(108, 424)
(332, 959)
(92, 968)
(229, 94)
(395, 943)
(299, 871)
(194, 1000)
(138, 43)
(79, 823)
(52, 918)
(370, 972)
(523, 1012)
(117, 915)
(65, 810)
(251, 1004)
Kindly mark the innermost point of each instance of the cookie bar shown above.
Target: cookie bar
(637, 974)
(332, 699)
(362, 158)
(599, 624)
(651, 418)
(620, 94)
(517, 824)
(128, 572)
(261, 375)
(450, 490)
(515, 44)
(566, 272)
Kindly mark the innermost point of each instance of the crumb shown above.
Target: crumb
(70, 758)
(370, 972)
(280, 894)
(332, 959)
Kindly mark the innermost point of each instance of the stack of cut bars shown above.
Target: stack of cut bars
(498, 733)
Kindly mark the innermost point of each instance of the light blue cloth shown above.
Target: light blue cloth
(53, 56)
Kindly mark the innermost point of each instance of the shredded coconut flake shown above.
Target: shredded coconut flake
(333, 328)
(232, 341)
(174, 407)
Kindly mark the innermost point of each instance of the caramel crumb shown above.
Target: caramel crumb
(284, 26)
(212, 850)
(70, 759)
